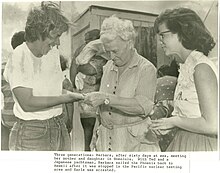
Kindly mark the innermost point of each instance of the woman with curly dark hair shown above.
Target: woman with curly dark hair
(183, 33)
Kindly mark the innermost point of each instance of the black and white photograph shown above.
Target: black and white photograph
(110, 86)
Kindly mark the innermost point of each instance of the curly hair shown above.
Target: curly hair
(113, 26)
(189, 27)
(41, 20)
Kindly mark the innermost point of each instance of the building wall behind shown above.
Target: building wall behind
(93, 18)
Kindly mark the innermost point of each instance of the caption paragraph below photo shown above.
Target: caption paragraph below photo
(113, 162)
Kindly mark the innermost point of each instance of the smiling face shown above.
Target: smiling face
(120, 51)
(169, 41)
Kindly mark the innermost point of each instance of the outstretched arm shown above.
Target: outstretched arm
(30, 103)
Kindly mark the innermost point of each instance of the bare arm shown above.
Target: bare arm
(73, 71)
(30, 103)
(67, 86)
(206, 86)
(207, 90)
(69, 111)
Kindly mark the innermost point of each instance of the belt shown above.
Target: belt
(115, 126)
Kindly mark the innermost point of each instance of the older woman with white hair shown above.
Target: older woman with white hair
(126, 93)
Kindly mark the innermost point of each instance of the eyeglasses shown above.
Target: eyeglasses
(162, 34)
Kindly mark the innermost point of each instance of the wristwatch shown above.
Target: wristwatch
(107, 100)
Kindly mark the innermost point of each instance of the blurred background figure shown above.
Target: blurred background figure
(85, 74)
(168, 70)
(68, 109)
(163, 108)
(7, 116)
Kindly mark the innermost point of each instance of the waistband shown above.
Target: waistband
(114, 126)
(55, 118)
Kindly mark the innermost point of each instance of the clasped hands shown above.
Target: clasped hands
(93, 99)
(163, 126)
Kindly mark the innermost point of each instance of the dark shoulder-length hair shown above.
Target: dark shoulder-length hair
(41, 20)
(17, 39)
(189, 27)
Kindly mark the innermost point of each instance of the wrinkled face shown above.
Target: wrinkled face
(119, 50)
(169, 41)
(51, 41)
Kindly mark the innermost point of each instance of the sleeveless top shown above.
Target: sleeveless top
(186, 101)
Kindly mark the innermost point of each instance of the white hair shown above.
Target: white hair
(113, 27)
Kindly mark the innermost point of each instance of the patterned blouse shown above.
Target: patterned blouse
(186, 101)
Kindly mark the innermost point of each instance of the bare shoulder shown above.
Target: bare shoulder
(204, 72)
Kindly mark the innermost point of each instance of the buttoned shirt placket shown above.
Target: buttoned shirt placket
(114, 90)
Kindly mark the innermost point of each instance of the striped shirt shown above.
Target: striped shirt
(8, 117)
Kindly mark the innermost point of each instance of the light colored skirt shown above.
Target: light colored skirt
(188, 141)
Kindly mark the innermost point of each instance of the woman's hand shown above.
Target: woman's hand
(158, 132)
(95, 98)
(74, 97)
(163, 124)
(161, 132)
